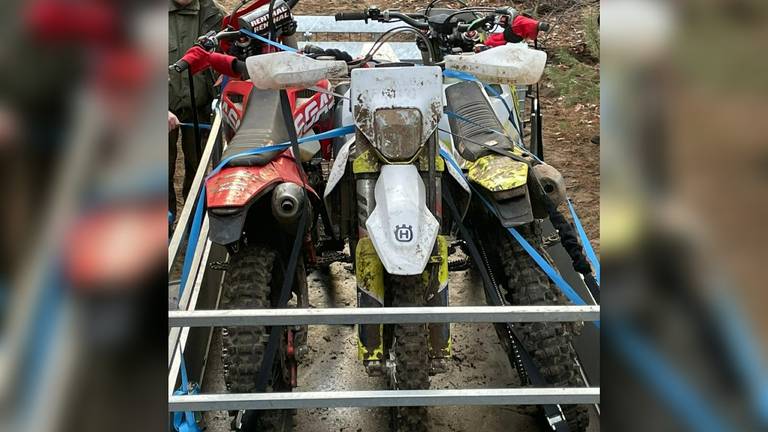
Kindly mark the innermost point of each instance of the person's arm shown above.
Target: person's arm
(212, 16)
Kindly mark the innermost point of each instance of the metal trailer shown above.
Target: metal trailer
(191, 323)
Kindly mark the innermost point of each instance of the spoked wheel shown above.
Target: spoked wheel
(411, 354)
(252, 281)
(548, 343)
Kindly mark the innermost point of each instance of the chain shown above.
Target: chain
(513, 346)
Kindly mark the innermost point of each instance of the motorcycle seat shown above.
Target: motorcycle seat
(467, 100)
(262, 125)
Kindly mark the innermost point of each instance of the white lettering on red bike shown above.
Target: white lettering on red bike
(231, 115)
(311, 112)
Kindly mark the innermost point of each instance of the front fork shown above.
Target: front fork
(369, 270)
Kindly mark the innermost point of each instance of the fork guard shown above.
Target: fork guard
(369, 274)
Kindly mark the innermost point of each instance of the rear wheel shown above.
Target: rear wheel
(548, 343)
(410, 346)
(250, 282)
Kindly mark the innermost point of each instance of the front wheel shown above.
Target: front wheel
(410, 348)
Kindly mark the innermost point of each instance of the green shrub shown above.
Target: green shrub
(592, 32)
(575, 81)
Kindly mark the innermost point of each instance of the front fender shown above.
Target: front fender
(401, 227)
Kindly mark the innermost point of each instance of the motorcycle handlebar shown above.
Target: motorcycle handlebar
(351, 16)
(180, 66)
(409, 20)
(383, 17)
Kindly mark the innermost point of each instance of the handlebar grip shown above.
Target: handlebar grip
(351, 16)
(180, 66)
(312, 49)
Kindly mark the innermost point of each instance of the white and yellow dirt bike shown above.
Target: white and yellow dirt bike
(387, 188)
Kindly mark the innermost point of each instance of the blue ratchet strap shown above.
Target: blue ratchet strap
(224, 82)
(185, 421)
(194, 234)
(277, 45)
(540, 261)
(201, 125)
(585, 242)
(744, 352)
(661, 376)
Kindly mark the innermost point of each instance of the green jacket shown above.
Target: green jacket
(185, 25)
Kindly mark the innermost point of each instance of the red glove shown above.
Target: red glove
(223, 64)
(526, 28)
(199, 59)
(522, 28)
(495, 39)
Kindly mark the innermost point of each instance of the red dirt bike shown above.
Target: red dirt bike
(259, 205)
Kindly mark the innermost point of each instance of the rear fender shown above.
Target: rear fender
(227, 228)
(514, 210)
(231, 192)
(496, 173)
(504, 182)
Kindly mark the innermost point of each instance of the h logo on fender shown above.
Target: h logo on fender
(403, 233)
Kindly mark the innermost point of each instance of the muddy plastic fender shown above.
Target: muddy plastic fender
(401, 227)
(275, 71)
(513, 63)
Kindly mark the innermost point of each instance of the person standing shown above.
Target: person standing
(188, 20)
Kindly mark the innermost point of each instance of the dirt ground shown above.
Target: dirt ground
(478, 361)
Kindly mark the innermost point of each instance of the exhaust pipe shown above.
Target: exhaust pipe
(552, 181)
(287, 203)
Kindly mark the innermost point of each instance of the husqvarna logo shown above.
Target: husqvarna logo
(403, 233)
